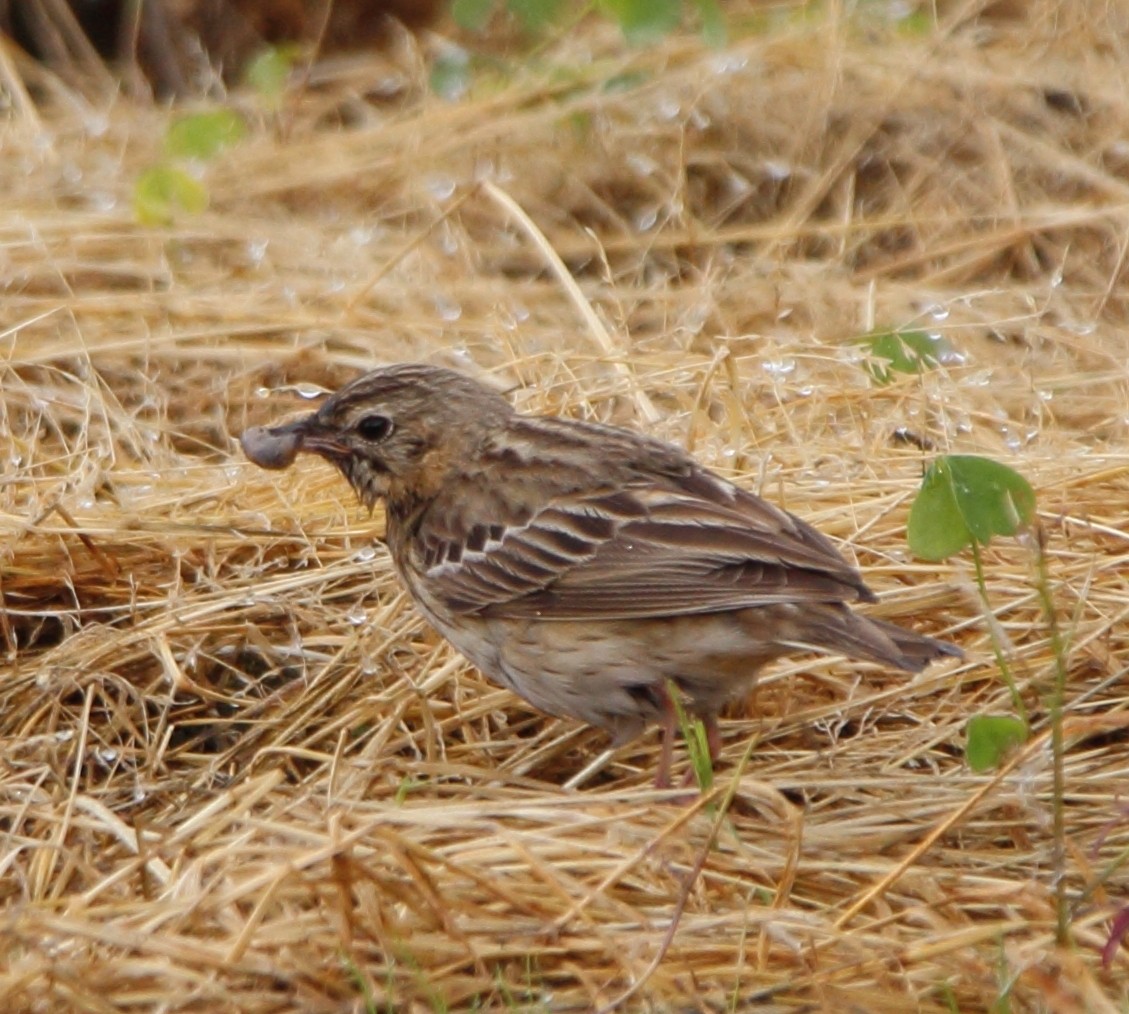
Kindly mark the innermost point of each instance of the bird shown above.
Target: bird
(595, 571)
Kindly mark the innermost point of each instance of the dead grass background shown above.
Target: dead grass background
(238, 774)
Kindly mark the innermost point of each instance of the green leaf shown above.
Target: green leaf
(713, 23)
(472, 14)
(407, 784)
(903, 352)
(269, 72)
(536, 15)
(990, 738)
(918, 23)
(628, 81)
(936, 530)
(644, 21)
(162, 191)
(965, 498)
(202, 135)
(450, 74)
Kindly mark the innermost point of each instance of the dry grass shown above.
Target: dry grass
(239, 774)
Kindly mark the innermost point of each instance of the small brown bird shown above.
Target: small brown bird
(585, 567)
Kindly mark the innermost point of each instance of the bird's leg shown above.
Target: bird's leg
(669, 724)
(713, 738)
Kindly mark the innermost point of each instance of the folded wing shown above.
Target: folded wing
(645, 549)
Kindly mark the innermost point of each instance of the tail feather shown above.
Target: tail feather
(835, 628)
(916, 650)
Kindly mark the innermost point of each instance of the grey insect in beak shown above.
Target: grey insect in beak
(275, 446)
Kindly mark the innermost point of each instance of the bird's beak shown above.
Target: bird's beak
(278, 446)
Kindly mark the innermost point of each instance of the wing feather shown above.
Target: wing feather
(647, 549)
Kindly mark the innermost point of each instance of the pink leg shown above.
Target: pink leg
(713, 737)
(669, 727)
(669, 724)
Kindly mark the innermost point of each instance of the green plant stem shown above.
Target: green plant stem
(562, 29)
(1058, 746)
(694, 734)
(997, 647)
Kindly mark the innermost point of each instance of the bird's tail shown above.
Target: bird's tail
(835, 628)
(916, 651)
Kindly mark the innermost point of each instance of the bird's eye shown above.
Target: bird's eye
(375, 427)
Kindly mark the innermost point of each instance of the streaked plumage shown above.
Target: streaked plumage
(585, 566)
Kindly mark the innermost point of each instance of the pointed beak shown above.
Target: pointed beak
(277, 446)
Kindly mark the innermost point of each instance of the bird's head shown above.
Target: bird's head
(394, 431)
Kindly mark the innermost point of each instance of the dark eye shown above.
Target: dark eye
(374, 427)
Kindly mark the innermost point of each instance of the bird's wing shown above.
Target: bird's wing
(646, 549)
